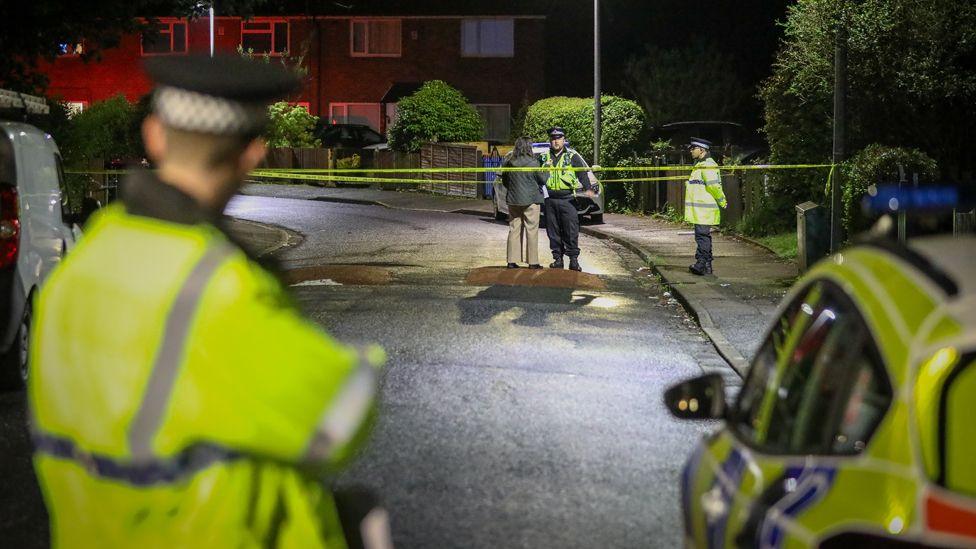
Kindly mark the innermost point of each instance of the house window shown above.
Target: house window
(75, 107)
(487, 38)
(374, 38)
(498, 121)
(71, 49)
(265, 36)
(355, 113)
(165, 37)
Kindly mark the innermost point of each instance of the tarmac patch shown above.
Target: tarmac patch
(352, 275)
(545, 278)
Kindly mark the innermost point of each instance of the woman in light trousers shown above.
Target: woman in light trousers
(523, 194)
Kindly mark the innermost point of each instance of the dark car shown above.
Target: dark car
(729, 139)
(349, 136)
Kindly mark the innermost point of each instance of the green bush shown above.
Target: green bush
(290, 126)
(104, 130)
(434, 113)
(624, 125)
(874, 165)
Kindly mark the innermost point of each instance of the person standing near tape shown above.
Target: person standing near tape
(562, 218)
(703, 198)
(177, 396)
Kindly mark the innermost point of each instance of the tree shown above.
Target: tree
(291, 126)
(436, 112)
(695, 83)
(912, 83)
(38, 30)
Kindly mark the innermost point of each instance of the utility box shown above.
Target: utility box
(812, 234)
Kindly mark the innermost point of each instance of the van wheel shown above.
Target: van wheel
(14, 364)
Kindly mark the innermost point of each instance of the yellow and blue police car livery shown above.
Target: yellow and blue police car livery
(854, 426)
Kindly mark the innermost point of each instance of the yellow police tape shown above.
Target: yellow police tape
(342, 174)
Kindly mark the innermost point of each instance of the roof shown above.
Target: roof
(360, 8)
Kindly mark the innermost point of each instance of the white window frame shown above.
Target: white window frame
(479, 21)
(271, 24)
(77, 50)
(170, 21)
(346, 105)
(508, 107)
(366, 22)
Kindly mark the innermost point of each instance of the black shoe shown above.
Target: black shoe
(513, 266)
(697, 269)
(574, 265)
(536, 266)
(557, 264)
(708, 268)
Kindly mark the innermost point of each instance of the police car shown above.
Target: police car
(856, 424)
(585, 205)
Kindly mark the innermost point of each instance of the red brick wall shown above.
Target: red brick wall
(430, 50)
(120, 69)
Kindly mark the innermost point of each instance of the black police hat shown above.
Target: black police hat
(557, 131)
(224, 95)
(699, 142)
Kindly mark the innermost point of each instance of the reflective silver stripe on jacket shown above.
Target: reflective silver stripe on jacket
(702, 204)
(344, 416)
(161, 380)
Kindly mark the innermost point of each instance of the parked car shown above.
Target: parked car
(585, 205)
(854, 427)
(730, 140)
(350, 136)
(35, 229)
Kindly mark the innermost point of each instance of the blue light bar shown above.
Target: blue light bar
(892, 198)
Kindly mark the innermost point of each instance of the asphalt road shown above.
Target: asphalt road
(512, 416)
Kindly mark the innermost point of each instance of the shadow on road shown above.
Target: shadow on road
(536, 304)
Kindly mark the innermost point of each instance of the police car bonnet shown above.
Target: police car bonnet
(223, 95)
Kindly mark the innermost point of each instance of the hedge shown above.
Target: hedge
(623, 125)
(434, 113)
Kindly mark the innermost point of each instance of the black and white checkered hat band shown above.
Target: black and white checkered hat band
(196, 112)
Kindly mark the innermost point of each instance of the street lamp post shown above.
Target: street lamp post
(211, 30)
(840, 127)
(597, 104)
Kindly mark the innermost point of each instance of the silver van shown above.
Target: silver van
(35, 230)
(585, 205)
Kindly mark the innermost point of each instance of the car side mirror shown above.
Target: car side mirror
(699, 398)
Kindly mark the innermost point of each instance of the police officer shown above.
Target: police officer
(703, 198)
(178, 398)
(562, 219)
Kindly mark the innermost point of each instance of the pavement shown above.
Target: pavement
(733, 307)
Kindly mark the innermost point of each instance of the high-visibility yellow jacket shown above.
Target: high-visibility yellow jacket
(178, 399)
(704, 194)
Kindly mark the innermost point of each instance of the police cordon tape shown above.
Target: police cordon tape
(341, 175)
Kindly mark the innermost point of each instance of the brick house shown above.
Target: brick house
(358, 66)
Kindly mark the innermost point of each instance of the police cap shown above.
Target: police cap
(557, 131)
(222, 95)
(699, 142)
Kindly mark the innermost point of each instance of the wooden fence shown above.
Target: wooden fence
(449, 155)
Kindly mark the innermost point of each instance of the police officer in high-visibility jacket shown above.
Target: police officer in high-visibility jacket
(562, 217)
(177, 396)
(703, 198)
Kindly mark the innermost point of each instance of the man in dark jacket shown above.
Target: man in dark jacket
(562, 219)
